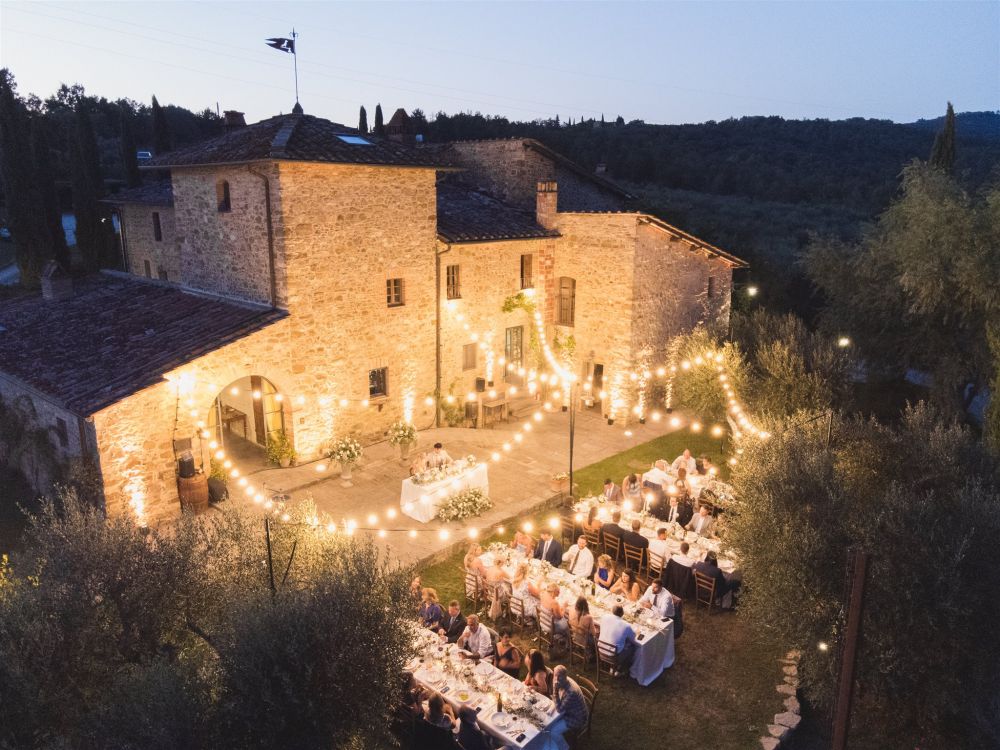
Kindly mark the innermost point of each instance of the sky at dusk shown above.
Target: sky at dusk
(660, 62)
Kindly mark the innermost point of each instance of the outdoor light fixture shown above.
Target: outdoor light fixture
(752, 291)
(823, 646)
(843, 342)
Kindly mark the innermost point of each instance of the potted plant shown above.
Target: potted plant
(404, 435)
(347, 452)
(280, 449)
(559, 482)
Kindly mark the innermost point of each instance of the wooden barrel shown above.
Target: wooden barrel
(193, 492)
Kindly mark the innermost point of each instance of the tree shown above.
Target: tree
(379, 130)
(41, 152)
(26, 212)
(162, 140)
(887, 491)
(94, 231)
(130, 161)
(363, 120)
(943, 151)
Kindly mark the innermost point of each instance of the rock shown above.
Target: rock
(778, 730)
(792, 704)
(792, 670)
(794, 655)
(793, 681)
(787, 719)
(770, 743)
(785, 689)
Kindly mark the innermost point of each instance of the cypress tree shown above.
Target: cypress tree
(379, 126)
(161, 130)
(363, 120)
(30, 231)
(130, 161)
(94, 230)
(943, 151)
(45, 177)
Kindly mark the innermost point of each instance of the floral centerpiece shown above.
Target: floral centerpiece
(347, 452)
(464, 504)
(438, 473)
(404, 435)
(559, 482)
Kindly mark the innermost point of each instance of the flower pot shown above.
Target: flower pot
(565, 408)
(558, 485)
(285, 461)
(345, 474)
(611, 420)
(404, 450)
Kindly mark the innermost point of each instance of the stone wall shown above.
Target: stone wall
(142, 246)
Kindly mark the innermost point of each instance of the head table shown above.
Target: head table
(529, 721)
(420, 500)
(654, 637)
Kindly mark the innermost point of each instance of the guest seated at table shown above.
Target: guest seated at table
(705, 465)
(592, 524)
(412, 700)
(470, 736)
(579, 560)
(438, 457)
(635, 539)
(658, 599)
(582, 625)
(659, 546)
(523, 589)
(710, 567)
(549, 600)
(611, 492)
(439, 713)
(548, 549)
(685, 461)
(430, 613)
(418, 464)
(452, 624)
(612, 528)
(627, 586)
(682, 483)
(616, 631)
(604, 576)
(703, 524)
(509, 656)
(657, 475)
(569, 700)
(682, 557)
(476, 639)
(682, 510)
(416, 593)
(472, 562)
(522, 542)
(539, 676)
(632, 489)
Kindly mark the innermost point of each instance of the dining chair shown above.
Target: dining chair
(654, 566)
(516, 611)
(568, 529)
(634, 557)
(704, 590)
(578, 646)
(607, 658)
(590, 691)
(612, 546)
(593, 541)
(473, 593)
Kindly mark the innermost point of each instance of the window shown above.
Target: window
(61, 432)
(354, 140)
(527, 279)
(161, 272)
(711, 287)
(378, 382)
(567, 301)
(157, 231)
(454, 282)
(394, 292)
(148, 269)
(222, 196)
(469, 356)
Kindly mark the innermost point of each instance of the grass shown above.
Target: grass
(720, 692)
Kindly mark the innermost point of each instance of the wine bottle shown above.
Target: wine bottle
(499, 703)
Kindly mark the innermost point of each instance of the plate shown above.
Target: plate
(501, 719)
(483, 668)
(463, 696)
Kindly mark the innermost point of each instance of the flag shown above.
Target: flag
(280, 43)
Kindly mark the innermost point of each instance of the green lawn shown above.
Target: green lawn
(720, 692)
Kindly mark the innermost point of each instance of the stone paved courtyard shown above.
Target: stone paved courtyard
(518, 483)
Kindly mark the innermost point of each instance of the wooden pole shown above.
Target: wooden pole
(849, 650)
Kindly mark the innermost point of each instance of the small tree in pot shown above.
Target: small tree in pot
(280, 449)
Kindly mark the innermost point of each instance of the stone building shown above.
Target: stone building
(295, 275)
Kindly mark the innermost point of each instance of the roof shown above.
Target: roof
(694, 241)
(466, 214)
(298, 137)
(154, 193)
(115, 336)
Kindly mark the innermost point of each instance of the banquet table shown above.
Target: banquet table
(654, 637)
(445, 668)
(421, 501)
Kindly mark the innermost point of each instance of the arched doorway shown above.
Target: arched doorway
(244, 415)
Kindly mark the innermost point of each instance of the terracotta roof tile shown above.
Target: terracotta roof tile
(153, 193)
(465, 214)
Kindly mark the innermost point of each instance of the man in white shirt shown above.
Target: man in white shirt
(702, 524)
(476, 639)
(682, 557)
(616, 631)
(658, 546)
(579, 560)
(658, 599)
(438, 457)
(657, 474)
(685, 460)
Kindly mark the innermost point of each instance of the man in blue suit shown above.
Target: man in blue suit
(549, 549)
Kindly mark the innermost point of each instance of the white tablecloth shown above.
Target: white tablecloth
(421, 501)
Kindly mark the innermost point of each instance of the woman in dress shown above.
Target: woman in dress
(472, 563)
(524, 590)
(632, 490)
(439, 713)
(592, 524)
(430, 612)
(413, 696)
(604, 576)
(682, 484)
(582, 623)
(497, 587)
(627, 586)
(522, 542)
(549, 599)
(416, 593)
(509, 657)
(539, 676)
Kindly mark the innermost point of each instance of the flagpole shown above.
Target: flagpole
(295, 60)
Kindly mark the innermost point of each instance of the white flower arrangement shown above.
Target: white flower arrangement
(465, 504)
(402, 433)
(455, 468)
(470, 460)
(345, 450)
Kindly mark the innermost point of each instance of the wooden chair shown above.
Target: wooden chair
(607, 658)
(494, 640)
(679, 579)
(546, 629)
(635, 557)
(612, 546)
(426, 736)
(516, 611)
(704, 590)
(590, 691)
(578, 646)
(473, 591)
(593, 541)
(654, 565)
(568, 529)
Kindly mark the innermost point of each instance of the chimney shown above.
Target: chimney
(57, 285)
(546, 203)
(233, 120)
